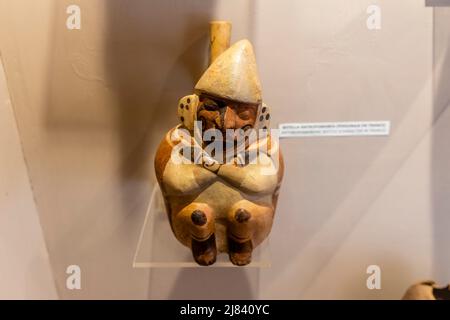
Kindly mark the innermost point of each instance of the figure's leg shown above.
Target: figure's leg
(203, 239)
(240, 245)
(248, 225)
(196, 223)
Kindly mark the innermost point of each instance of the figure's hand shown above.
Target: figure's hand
(240, 161)
(232, 172)
(211, 164)
(258, 178)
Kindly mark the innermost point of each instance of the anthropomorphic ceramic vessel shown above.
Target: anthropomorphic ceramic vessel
(222, 201)
(427, 290)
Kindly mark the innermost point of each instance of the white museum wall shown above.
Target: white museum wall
(25, 271)
(92, 104)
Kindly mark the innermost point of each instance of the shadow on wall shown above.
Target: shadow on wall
(214, 284)
(154, 52)
(113, 88)
(112, 92)
(436, 3)
(440, 158)
(164, 51)
(150, 54)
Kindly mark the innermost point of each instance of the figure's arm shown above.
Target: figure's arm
(261, 177)
(178, 175)
(279, 179)
(161, 158)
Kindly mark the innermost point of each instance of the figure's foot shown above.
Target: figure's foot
(205, 251)
(240, 253)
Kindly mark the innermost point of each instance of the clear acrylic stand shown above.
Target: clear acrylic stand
(158, 247)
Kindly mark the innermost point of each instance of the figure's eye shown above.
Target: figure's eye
(211, 107)
(244, 115)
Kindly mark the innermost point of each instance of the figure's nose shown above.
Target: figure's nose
(229, 118)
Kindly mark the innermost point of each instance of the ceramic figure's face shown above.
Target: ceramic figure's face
(215, 113)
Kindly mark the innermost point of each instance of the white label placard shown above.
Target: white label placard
(334, 129)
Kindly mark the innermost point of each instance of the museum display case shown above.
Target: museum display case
(224, 149)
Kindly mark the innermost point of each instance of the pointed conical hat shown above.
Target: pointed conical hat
(233, 75)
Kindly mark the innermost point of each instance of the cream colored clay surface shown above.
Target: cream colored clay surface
(420, 291)
(220, 38)
(220, 191)
(233, 75)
